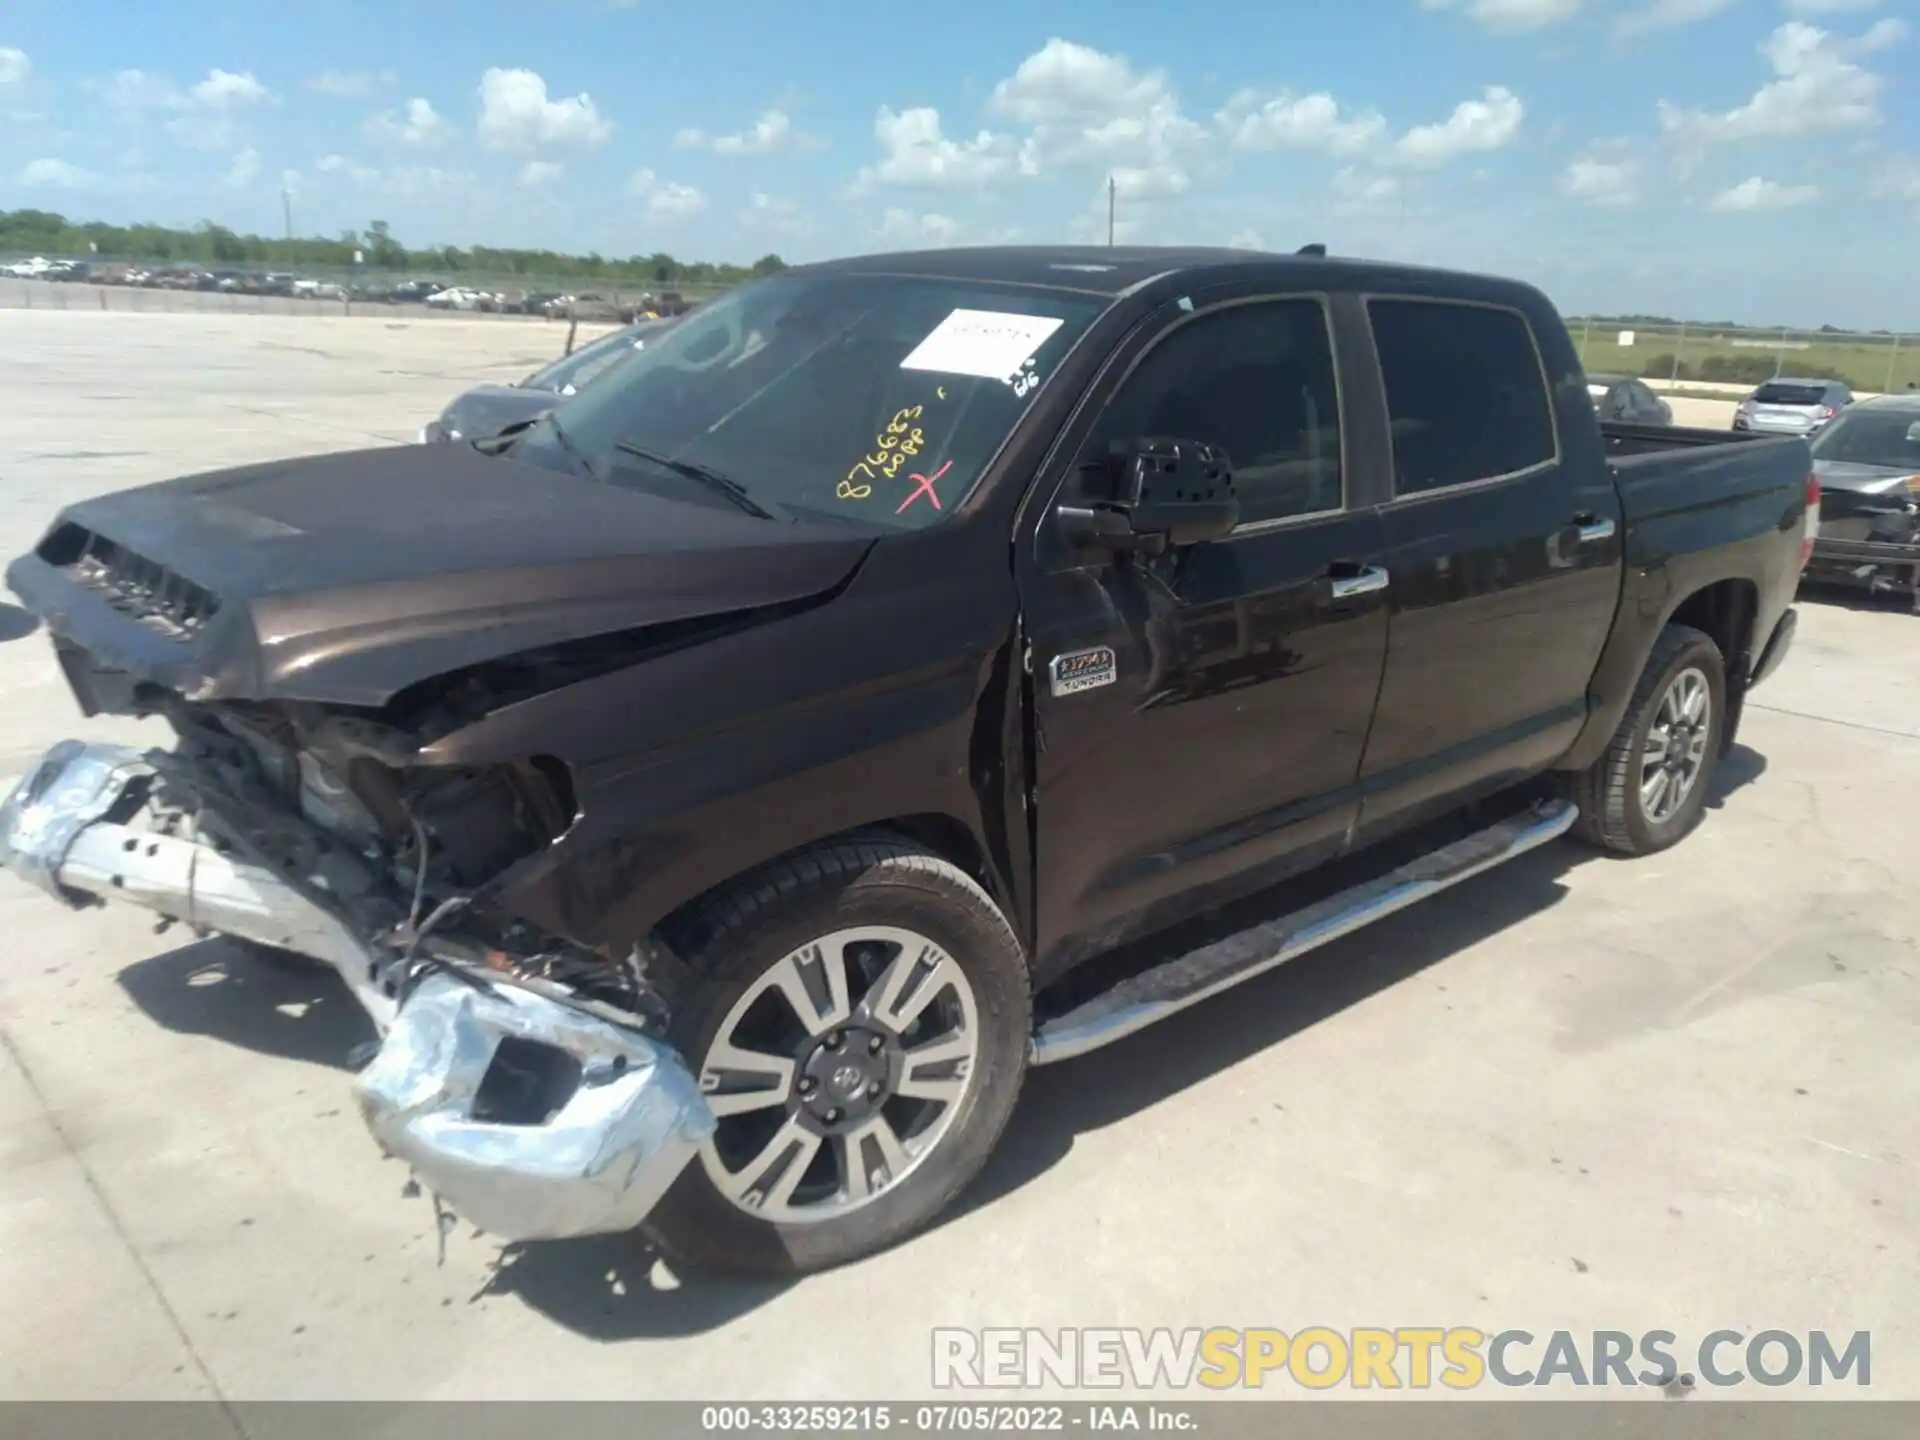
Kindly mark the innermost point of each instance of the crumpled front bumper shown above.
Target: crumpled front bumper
(524, 1114)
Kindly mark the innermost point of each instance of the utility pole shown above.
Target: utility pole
(1111, 188)
(286, 209)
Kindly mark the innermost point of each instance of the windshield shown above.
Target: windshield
(589, 361)
(874, 398)
(1790, 395)
(1866, 437)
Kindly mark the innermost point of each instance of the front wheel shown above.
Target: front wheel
(1650, 789)
(860, 1029)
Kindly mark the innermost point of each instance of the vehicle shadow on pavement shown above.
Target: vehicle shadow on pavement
(258, 999)
(1852, 597)
(611, 1288)
(1104, 1088)
(16, 623)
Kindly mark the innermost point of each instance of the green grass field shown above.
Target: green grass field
(1866, 364)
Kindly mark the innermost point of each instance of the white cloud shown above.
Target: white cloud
(209, 115)
(135, 90)
(766, 214)
(1063, 83)
(1828, 7)
(1605, 184)
(225, 90)
(1246, 240)
(1511, 16)
(665, 199)
(401, 182)
(1302, 122)
(772, 131)
(1819, 88)
(1758, 194)
(1085, 107)
(244, 170)
(541, 172)
(1488, 123)
(14, 65)
(516, 114)
(904, 227)
(914, 151)
(416, 124)
(53, 175)
(1668, 15)
(350, 84)
(1363, 188)
(1897, 179)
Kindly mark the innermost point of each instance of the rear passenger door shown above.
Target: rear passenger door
(1504, 558)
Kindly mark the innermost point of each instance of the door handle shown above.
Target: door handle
(1364, 581)
(1593, 531)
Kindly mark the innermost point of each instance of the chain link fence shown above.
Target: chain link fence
(1676, 356)
(1712, 358)
(313, 292)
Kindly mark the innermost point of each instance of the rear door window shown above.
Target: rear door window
(1790, 395)
(1466, 393)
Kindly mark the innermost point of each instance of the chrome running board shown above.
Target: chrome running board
(1171, 987)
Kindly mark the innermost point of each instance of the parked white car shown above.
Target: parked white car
(459, 297)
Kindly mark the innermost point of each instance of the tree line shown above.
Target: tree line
(42, 232)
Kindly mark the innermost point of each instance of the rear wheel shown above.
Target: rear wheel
(1650, 789)
(860, 1030)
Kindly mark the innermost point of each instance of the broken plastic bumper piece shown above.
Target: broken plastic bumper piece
(530, 1117)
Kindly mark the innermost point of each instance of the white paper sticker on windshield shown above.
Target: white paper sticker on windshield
(990, 344)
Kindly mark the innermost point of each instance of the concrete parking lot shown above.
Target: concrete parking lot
(1577, 1094)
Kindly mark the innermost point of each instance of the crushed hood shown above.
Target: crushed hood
(346, 578)
(1851, 475)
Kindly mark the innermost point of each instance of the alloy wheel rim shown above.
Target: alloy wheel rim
(838, 1071)
(1675, 753)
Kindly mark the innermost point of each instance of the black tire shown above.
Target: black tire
(1612, 814)
(750, 927)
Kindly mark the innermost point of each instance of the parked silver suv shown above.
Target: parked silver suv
(1792, 407)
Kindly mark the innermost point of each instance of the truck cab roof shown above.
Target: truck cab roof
(1121, 271)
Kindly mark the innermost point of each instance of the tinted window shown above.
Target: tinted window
(1256, 380)
(585, 362)
(874, 399)
(1791, 395)
(1465, 394)
(1872, 437)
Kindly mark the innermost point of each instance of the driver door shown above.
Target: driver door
(1202, 715)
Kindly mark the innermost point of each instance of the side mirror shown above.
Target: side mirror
(1146, 496)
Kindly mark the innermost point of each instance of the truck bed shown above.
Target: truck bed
(1623, 438)
(1667, 470)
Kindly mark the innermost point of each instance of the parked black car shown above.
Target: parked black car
(1627, 398)
(1868, 461)
(487, 410)
(723, 792)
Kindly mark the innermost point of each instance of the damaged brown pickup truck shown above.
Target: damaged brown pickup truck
(720, 792)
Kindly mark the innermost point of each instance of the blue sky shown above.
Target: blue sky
(1745, 158)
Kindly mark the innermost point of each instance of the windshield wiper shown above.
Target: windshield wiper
(711, 478)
